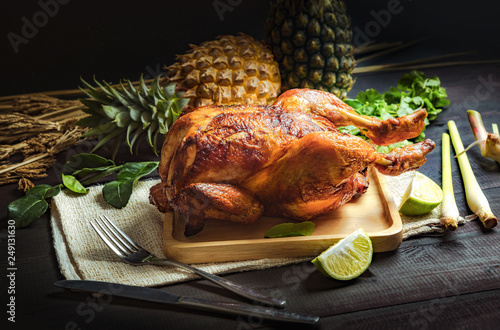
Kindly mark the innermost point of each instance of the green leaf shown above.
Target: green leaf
(349, 129)
(53, 191)
(169, 90)
(134, 171)
(26, 209)
(38, 191)
(117, 132)
(117, 193)
(123, 119)
(414, 91)
(433, 82)
(90, 121)
(288, 229)
(181, 103)
(101, 130)
(384, 115)
(353, 103)
(142, 87)
(85, 161)
(73, 184)
(112, 111)
(386, 149)
(84, 172)
(95, 94)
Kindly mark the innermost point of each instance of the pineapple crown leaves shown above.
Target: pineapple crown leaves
(124, 111)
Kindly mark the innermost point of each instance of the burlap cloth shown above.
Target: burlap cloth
(82, 255)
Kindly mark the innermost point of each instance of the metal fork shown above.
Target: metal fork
(132, 253)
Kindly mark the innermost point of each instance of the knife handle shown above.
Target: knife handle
(267, 313)
(229, 285)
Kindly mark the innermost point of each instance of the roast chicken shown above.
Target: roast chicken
(240, 162)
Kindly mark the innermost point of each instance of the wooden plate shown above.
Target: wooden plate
(375, 211)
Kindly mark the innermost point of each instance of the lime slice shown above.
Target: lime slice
(421, 196)
(288, 229)
(348, 258)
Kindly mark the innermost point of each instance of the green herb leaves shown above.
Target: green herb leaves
(289, 229)
(117, 193)
(414, 91)
(81, 170)
(32, 206)
(73, 184)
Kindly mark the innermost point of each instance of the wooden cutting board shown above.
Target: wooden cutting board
(219, 241)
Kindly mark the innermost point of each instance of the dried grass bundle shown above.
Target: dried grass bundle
(38, 127)
(35, 167)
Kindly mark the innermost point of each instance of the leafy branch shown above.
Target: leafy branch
(80, 171)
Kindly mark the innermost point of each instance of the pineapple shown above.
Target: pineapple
(127, 113)
(228, 70)
(311, 40)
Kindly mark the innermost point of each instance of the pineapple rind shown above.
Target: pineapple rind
(228, 70)
(311, 41)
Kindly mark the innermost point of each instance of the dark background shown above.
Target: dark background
(124, 39)
(119, 41)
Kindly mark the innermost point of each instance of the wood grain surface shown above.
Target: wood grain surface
(450, 281)
(374, 211)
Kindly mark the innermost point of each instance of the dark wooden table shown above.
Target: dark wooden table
(450, 281)
(440, 282)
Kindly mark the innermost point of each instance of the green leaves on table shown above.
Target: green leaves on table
(413, 92)
(70, 182)
(33, 205)
(80, 171)
(289, 229)
(117, 193)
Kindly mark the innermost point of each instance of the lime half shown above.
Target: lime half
(421, 196)
(348, 258)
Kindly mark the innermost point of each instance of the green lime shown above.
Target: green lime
(348, 258)
(421, 196)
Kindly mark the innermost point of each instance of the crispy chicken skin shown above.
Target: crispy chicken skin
(381, 132)
(237, 163)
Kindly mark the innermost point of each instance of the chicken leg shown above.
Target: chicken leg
(381, 132)
(201, 201)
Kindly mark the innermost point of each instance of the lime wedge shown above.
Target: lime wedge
(421, 196)
(348, 258)
(288, 229)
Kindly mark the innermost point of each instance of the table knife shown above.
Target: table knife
(160, 296)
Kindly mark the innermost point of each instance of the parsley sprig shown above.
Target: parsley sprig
(413, 92)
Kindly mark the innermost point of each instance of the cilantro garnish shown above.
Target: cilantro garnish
(414, 91)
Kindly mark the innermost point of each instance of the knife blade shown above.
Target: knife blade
(160, 296)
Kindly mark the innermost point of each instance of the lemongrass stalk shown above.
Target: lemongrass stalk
(494, 128)
(449, 209)
(475, 197)
(489, 144)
